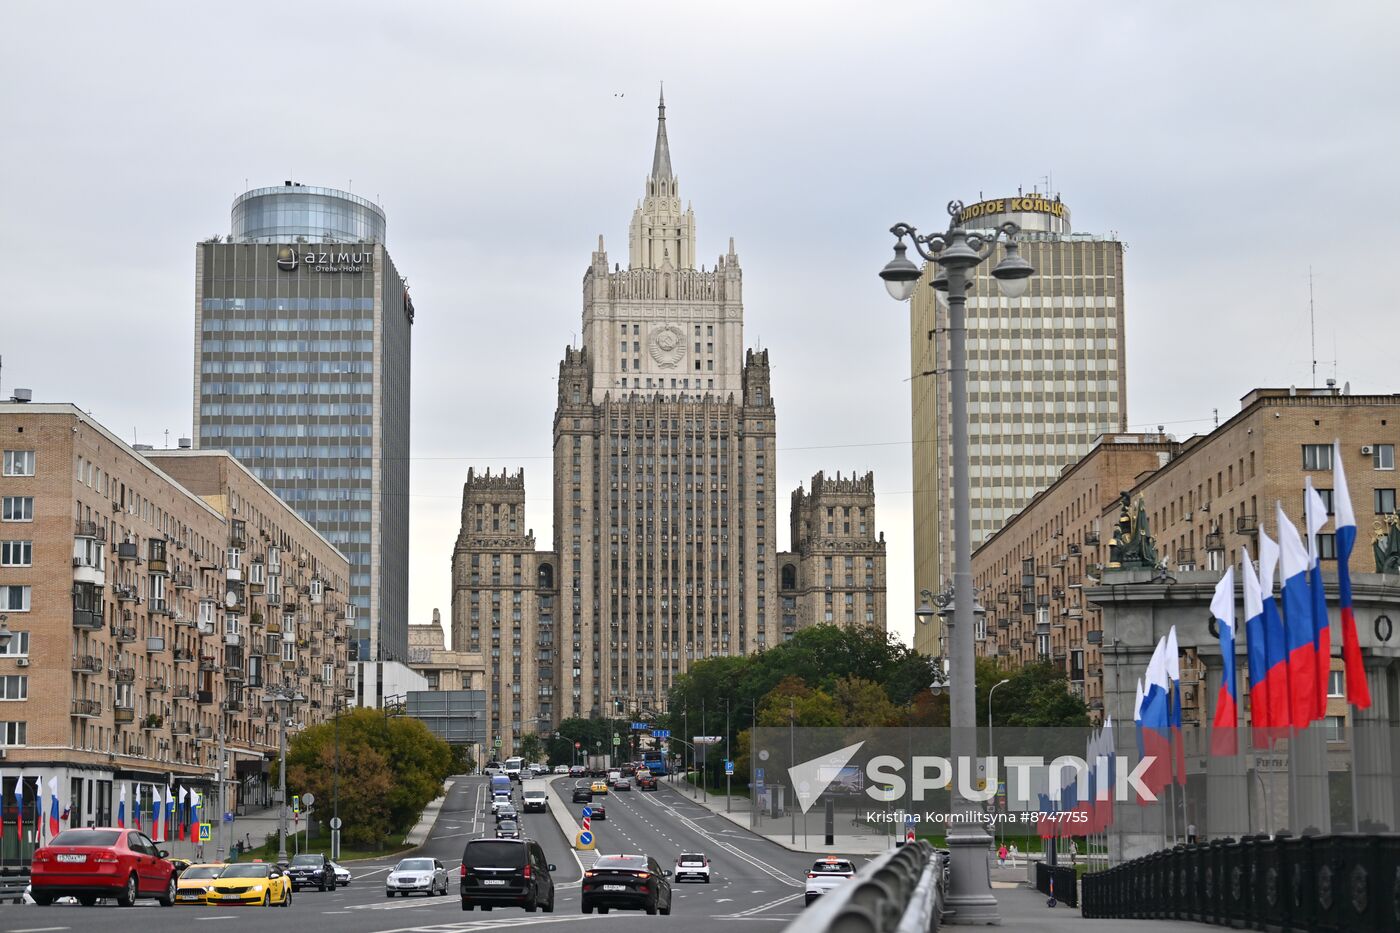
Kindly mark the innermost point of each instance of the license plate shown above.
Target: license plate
(492, 881)
(614, 887)
(232, 897)
(72, 858)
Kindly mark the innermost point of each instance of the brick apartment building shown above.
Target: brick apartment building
(152, 597)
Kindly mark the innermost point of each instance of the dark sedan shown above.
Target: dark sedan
(627, 882)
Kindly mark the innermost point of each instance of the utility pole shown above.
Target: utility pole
(221, 843)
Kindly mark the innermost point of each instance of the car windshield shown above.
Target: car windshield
(489, 854)
(415, 864)
(201, 871)
(306, 860)
(249, 870)
(692, 859)
(508, 825)
(86, 837)
(629, 862)
(835, 867)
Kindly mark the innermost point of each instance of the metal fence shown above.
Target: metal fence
(898, 892)
(1342, 882)
(1058, 882)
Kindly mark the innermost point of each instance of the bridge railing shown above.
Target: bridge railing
(1341, 882)
(897, 892)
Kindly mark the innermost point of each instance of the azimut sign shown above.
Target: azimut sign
(324, 259)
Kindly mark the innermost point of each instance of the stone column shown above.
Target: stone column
(1307, 764)
(1373, 753)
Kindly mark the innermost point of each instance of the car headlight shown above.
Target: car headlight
(257, 888)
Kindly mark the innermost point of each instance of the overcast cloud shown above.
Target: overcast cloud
(1230, 145)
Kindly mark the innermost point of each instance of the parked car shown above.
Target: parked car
(627, 882)
(693, 865)
(827, 873)
(506, 873)
(311, 870)
(93, 863)
(342, 874)
(508, 829)
(427, 875)
(259, 883)
(195, 882)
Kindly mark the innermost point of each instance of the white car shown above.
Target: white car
(828, 873)
(498, 801)
(342, 875)
(426, 875)
(561, 769)
(692, 865)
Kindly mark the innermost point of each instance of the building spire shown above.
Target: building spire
(661, 160)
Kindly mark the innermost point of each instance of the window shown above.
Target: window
(1327, 546)
(12, 733)
(1385, 501)
(1383, 455)
(21, 462)
(18, 646)
(1335, 727)
(1326, 496)
(21, 553)
(1336, 684)
(1317, 456)
(14, 687)
(14, 598)
(17, 509)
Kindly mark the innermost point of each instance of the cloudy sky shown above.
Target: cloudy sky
(1230, 145)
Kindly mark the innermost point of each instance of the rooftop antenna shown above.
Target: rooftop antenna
(167, 438)
(1312, 326)
(1216, 413)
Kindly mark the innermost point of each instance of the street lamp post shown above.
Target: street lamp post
(957, 253)
(991, 745)
(281, 699)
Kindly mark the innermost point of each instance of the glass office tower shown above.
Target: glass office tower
(302, 353)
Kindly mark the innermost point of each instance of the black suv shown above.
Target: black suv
(307, 871)
(583, 792)
(506, 873)
(627, 882)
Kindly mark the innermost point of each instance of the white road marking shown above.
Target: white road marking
(37, 930)
(745, 914)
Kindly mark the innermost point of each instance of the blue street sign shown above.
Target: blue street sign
(585, 839)
(729, 767)
(758, 775)
(228, 817)
(639, 727)
(588, 813)
(661, 733)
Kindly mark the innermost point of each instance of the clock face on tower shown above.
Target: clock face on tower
(667, 345)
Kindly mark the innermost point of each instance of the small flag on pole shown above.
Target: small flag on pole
(53, 806)
(1315, 513)
(121, 809)
(1275, 640)
(1223, 740)
(1358, 690)
(1298, 624)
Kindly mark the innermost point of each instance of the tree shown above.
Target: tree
(1036, 696)
(389, 769)
(531, 747)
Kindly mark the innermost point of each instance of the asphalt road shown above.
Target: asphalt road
(755, 882)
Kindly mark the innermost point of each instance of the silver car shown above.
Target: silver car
(342, 875)
(426, 875)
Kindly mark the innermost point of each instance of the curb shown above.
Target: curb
(419, 833)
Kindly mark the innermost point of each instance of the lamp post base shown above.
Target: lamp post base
(970, 900)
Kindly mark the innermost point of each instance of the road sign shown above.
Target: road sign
(639, 727)
(584, 840)
(758, 775)
(206, 832)
(707, 739)
(228, 817)
(309, 800)
(336, 822)
(587, 825)
(661, 733)
(498, 742)
(296, 803)
(617, 740)
(729, 767)
(587, 812)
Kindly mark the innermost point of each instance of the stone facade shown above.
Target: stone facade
(835, 573)
(154, 596)
(1045, 378)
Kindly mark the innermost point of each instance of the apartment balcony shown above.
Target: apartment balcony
(125, 633)
(234, 672)
(125, 594)
(90, 530)
(1215, 541)
(203, 698)
(152, 722)
(181, 727)
(1186, 557)
(155, 644)
(157, 685)
(237, 535)
(84, 571)
(182, 580)
(87, 708)
(87, 664)
(182, 692)
(125, 675)
(206, 732)
(233, 706)
(1247, 525)
(123, 715)
(183, 620)
(87, 619)
(1091, 539)
(183, 656)
(157, 565)
(207, 662)
(127, 550)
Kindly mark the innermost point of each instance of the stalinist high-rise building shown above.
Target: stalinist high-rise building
(666, 515)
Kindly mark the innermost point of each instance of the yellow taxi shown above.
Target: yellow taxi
(194, 882)
(261, 884)
(600, 787)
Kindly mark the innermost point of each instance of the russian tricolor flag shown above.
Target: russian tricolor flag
(1223, 740)
(1298, 624)
(136, 806)
(121, 809)
(1156, 722)
(1275, 642)
(169, 812)
(1315, 514)
(1358, 691)
(1173, 658)
(53, 806)
(19, 805)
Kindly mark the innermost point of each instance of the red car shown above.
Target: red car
(93, 863)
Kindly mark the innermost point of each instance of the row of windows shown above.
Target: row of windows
(290, 304)
(288, 346)
(326, 495)
(286, 430)
(637, 329)
(316, 516)
(288, 410)
(286, 388)
(1319, 456)
(273, 474)
(300, 452)
(287, 366)
(16, 553)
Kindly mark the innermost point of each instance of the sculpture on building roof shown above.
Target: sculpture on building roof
(1385, 541)
(1131, 547)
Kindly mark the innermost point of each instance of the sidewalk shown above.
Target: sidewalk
(739, 815)
(419, 833)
